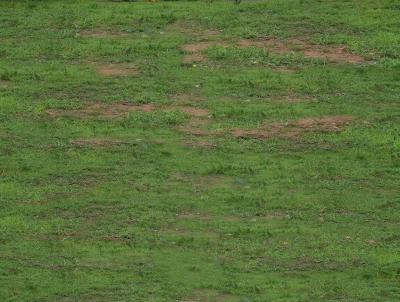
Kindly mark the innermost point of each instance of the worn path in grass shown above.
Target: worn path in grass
(192, 151)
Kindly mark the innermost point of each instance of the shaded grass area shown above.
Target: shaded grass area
(164, 205)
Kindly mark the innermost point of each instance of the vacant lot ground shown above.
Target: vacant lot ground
(199, 151)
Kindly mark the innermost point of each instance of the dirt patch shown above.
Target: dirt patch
(196, 127)
(338, 54)
(201, 46)
(101, 34)
(334, 53)
(274, 45)
(192, 59)
(4, 84)
(117, 70)
(199, 120)
(113, 110)
(296, 128)
(195, 112)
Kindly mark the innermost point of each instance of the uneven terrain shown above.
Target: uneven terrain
(199, 151)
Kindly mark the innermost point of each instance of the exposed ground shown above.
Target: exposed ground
(193, 151)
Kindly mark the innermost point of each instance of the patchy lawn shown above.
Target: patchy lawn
(199, 151)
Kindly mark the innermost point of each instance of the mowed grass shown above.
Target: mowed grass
(199, 151)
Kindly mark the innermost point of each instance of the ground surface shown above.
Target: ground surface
(199, 151)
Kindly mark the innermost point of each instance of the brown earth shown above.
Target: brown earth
(191, 59)
(296, 128)
(4, 83)
(334, 53)
(274, 45)
(102, 110)
(195, 112)
(116, 70)
(201, 46)
(114, 110)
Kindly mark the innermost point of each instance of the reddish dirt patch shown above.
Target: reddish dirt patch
(113, 110)
(271, 44)
(196, 127)
(201, 46)
(334, 53)
(295, 129)
(195, 112)
(192, 59)
(117, 70)
(198, 122)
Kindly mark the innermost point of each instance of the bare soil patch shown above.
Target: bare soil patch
(117, 70)
(113, 110)
(195, 112)
(274, 45)
(201, 46)
(4, 83)
(296, 128)
(334, 53)
(191, 59)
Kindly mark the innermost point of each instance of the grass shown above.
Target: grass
(167, 205)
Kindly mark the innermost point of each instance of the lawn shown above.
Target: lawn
(200, 151)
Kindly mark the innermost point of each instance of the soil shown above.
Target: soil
(274, 45)
(116, 70)
(201, 46)
(334, 53)
(295, 129)
(113, 110)
(194, 58)
(195, 112)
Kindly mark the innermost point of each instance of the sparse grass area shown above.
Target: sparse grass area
(199, 151)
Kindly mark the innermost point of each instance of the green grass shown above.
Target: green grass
(154, 213)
